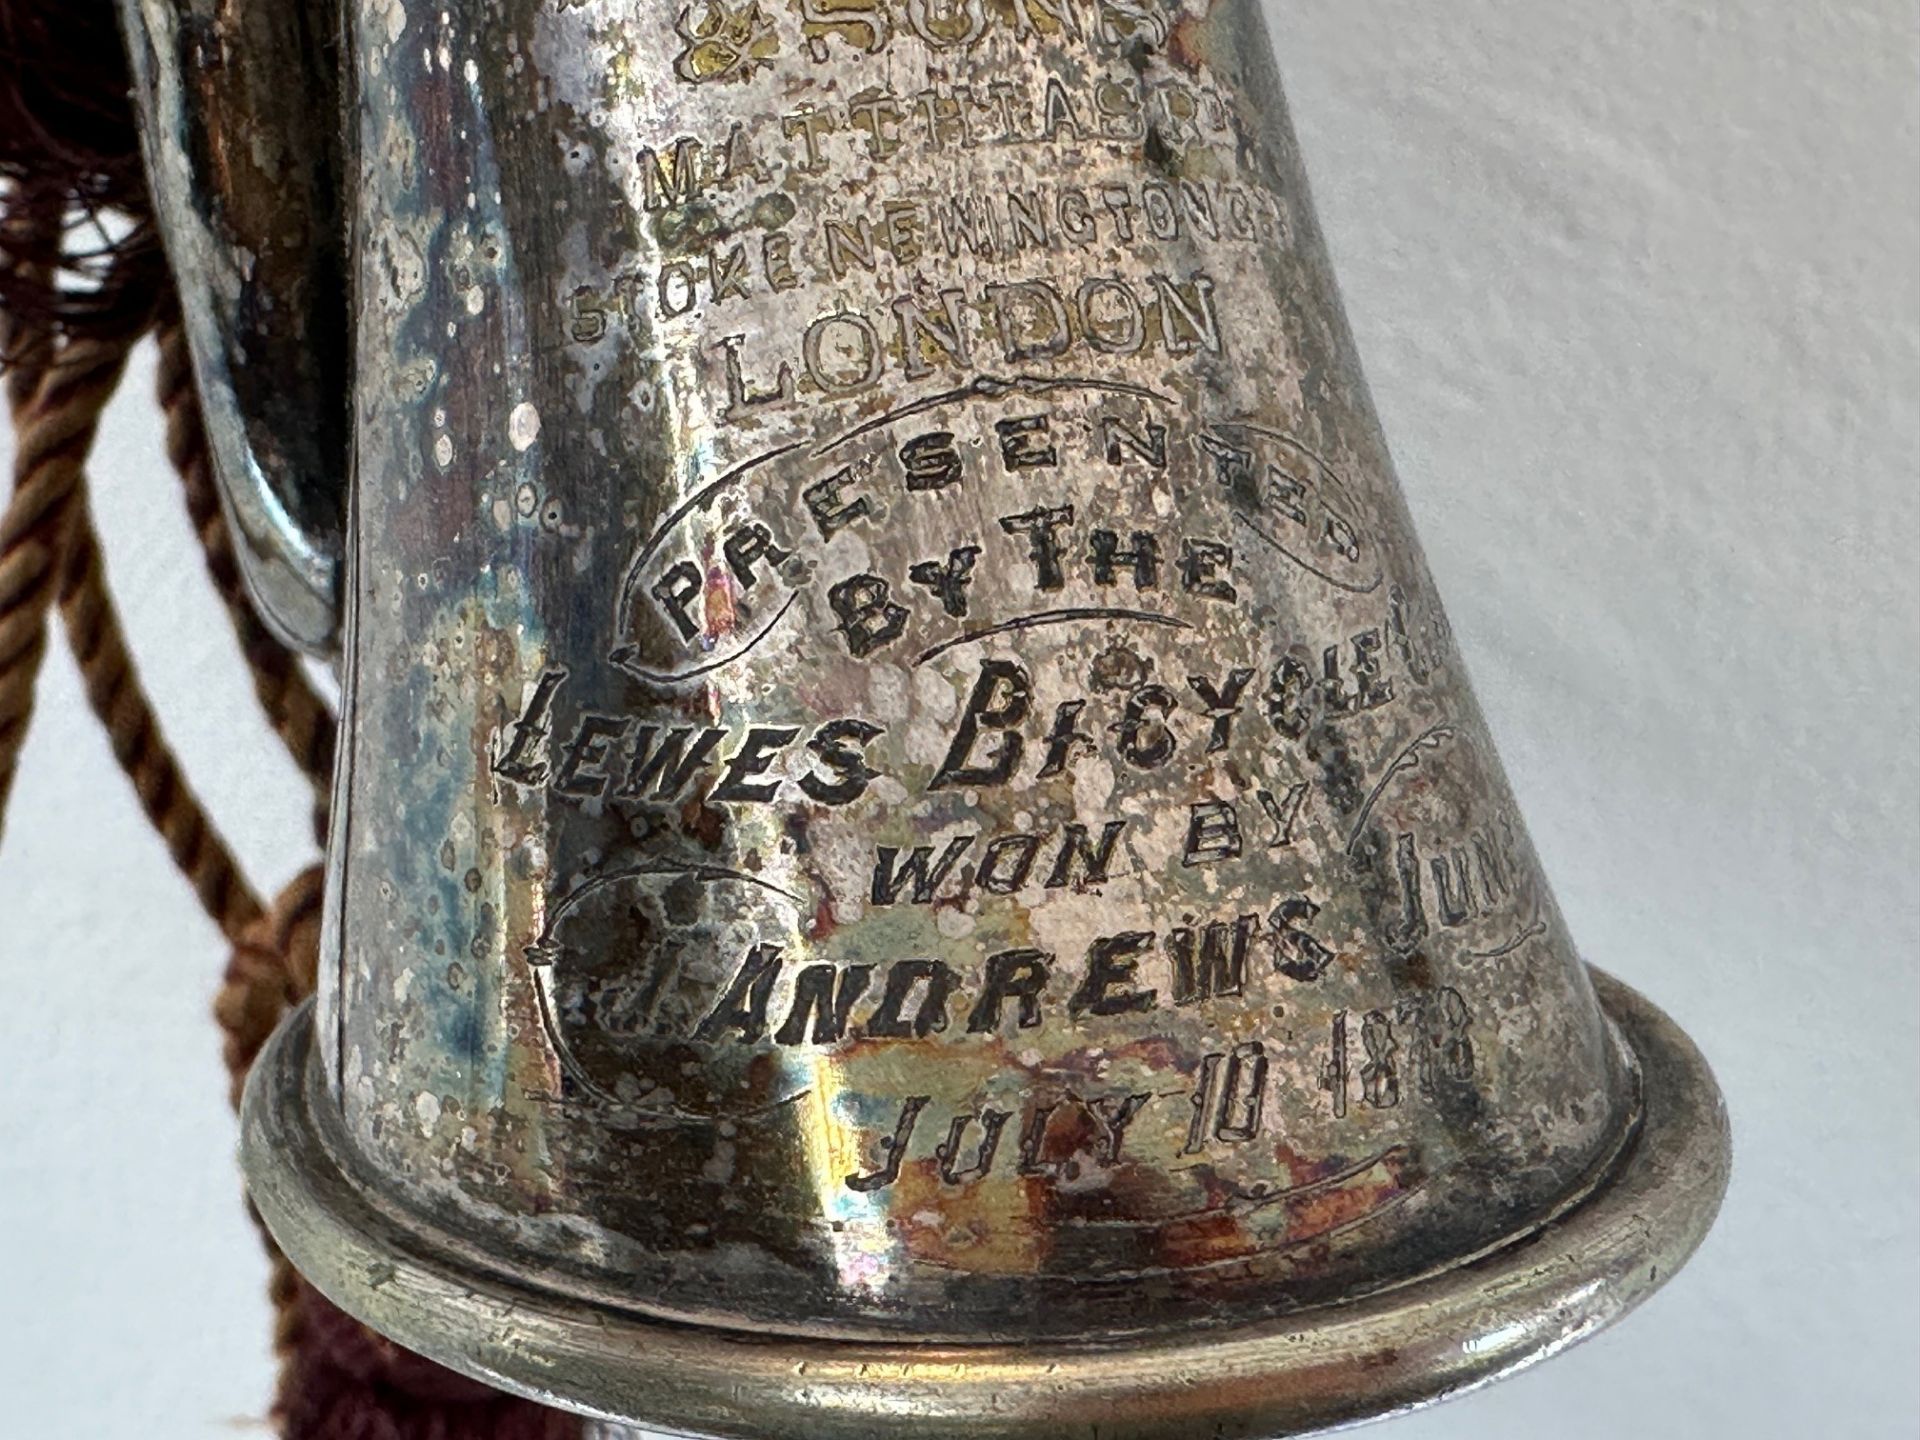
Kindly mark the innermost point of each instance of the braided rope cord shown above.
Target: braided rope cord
(56, 398)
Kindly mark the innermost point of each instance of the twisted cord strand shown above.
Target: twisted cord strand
(58, 396)
(115, 693)
(57, 416)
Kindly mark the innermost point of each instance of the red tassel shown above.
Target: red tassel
(346, 1383)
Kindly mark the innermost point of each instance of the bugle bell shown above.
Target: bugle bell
(913, 854)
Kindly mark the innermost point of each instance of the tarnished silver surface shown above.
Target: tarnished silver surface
(905, 782)
(1439, 1336)
(240, 119)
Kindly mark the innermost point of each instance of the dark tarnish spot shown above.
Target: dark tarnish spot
(825, 922)
(1160, 155)
(1300, 1169)
(703, 824)
(1187, 46)
(764, 1076)
(1316, 1217)
(1118, 668)
(1410, 1169)
(685, 900)
(774, 211)
(1205, 1240)
(1340, 772)
(687, 229)
(1418, 970)
(1241, 485)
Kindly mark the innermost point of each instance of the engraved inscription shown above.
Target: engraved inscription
(1022, 754)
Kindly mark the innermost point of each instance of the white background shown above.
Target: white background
(1638, 288)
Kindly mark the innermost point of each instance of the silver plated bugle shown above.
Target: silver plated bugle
(913, 854)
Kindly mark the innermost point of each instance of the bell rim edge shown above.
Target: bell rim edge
(1414, 1344)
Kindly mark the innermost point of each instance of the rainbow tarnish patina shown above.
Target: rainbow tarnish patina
(907, 785)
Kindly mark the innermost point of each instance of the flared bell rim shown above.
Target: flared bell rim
(1310, 1370)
